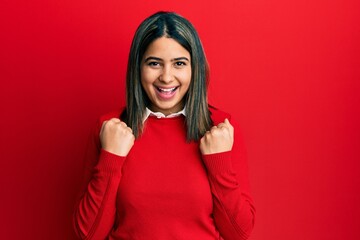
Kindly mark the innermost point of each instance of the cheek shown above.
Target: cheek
(143, 77)
(184, 77)
(187, 78)
(147, 76)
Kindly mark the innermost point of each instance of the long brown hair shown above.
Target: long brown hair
(173, 26)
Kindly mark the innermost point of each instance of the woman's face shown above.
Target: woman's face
(166, 75)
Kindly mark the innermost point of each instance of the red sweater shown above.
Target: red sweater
(165, 189)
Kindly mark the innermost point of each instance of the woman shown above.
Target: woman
(166, 166)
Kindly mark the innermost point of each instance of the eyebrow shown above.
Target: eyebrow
(159, 59)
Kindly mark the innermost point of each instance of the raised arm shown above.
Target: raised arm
(224, 156)
(95, 210)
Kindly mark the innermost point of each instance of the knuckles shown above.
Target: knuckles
(218, 132)
(116, 126)
(221, 132)
(116, 137)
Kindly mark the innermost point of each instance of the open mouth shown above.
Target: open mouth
(167, 90)
(166, 93)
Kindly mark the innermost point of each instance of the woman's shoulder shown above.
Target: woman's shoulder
(217, 115)
(113, 114)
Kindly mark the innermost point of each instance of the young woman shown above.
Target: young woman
(166, 166)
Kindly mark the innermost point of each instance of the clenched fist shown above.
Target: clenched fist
(220, 138)
(116, 137)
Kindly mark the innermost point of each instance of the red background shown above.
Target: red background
(289, 72)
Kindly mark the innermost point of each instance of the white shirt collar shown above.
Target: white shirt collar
(148, 113)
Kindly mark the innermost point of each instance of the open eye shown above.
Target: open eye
(153, 64)
(180, 63)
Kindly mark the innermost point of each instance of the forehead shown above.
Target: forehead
(166, 47)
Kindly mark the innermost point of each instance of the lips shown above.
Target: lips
(166, 93)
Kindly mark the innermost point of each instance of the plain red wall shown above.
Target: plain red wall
(289, 71)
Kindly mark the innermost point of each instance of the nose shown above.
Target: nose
(166, 75)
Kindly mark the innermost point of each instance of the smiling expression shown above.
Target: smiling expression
(166, 75)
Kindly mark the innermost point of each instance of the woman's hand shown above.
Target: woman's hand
(220, 138)
(116, 137)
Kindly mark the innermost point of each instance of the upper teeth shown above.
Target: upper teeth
(167, 89)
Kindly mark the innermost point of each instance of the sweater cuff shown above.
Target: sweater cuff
(218, 162)
(110, 163)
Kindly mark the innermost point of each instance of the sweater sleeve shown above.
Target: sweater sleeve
(94, 212)
(233, 210)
